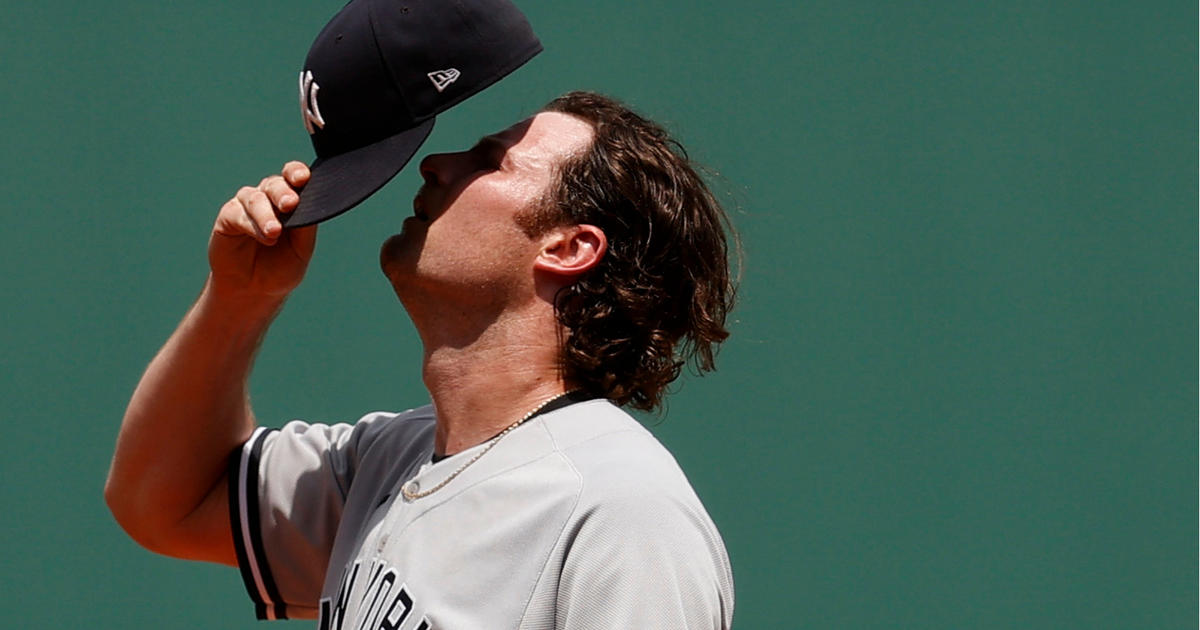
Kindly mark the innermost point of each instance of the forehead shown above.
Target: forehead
(545, 138)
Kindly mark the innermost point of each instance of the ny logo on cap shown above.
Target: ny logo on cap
(308, 102)
(442, 78)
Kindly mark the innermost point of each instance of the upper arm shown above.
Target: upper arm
(202, 534)
(205, 534)
(310, 463)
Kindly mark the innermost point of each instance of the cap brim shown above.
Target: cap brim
(340, 182)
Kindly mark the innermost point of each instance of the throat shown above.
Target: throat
(468, 415)
(482, 382)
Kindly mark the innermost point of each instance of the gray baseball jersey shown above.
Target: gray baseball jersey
(578, 518)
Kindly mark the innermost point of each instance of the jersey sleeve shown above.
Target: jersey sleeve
(645, 562)
(287, 488)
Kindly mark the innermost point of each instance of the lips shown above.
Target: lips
(419, 208)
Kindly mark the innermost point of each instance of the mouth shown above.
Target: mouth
(419, 208)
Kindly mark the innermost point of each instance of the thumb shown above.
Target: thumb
(302, 240)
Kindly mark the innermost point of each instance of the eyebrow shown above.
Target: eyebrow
(493, 144)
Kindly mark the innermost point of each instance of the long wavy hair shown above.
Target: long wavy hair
(659, 297)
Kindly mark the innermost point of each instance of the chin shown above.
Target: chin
(391, 255)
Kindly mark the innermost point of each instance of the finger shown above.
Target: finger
(280, 193)
(296, 174)
(232, 220)
(258, 208)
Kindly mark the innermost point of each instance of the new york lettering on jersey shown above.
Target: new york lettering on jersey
(385, 602)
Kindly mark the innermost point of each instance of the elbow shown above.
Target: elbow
(116, 497)
(112, 494)
(202, 533)
(137, 523)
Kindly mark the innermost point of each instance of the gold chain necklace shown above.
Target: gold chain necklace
(409, 489)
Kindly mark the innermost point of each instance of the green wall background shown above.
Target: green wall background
(962, 386)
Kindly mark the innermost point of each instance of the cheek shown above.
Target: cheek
(482, 218)
(498, 196)
(492, 253)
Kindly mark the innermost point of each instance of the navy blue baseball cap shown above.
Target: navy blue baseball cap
(378, 74)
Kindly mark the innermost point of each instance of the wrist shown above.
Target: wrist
(237, 308)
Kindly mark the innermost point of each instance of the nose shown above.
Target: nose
(437, 168)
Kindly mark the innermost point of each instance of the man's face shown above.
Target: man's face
(463, 237)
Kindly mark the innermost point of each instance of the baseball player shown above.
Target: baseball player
(556, 271)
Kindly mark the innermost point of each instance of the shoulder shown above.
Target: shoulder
(593, 427)
(613, 453)
(374, 427)
(626, 475)
(639, 543)
(390, 429)
(385, 436)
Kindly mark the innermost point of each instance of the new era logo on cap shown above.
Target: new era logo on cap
(443, 78)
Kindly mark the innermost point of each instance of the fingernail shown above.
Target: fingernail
(289, 199)
(273, 226)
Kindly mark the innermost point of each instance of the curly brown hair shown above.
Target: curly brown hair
(660, 295)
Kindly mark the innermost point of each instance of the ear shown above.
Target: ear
(571, 250)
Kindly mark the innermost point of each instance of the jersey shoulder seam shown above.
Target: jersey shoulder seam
(556, 452)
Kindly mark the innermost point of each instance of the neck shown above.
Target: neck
(483, 382)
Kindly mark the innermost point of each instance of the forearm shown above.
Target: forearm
(186, 415)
